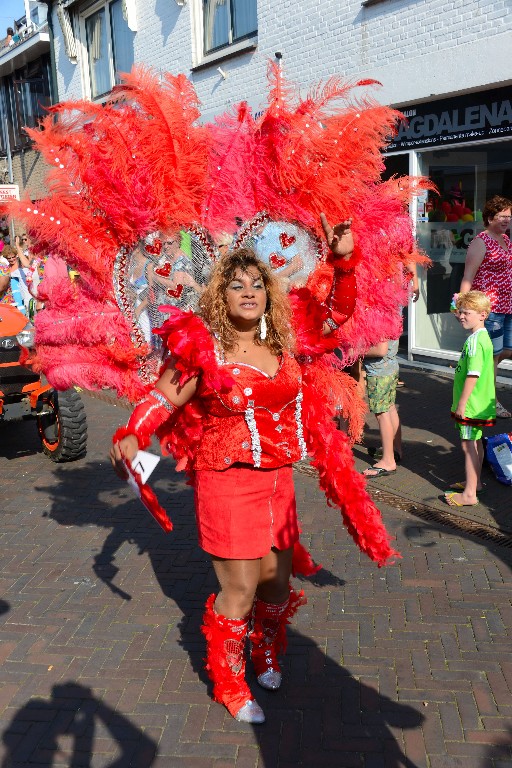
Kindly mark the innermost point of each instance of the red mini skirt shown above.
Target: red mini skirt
(243, 512)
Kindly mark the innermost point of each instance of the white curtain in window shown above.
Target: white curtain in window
(130, 14)
(216, 23)
(97, 51)
(95, 27)
(122, 39)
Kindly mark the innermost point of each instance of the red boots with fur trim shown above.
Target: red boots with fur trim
(225, 652)
(268, 637)
(225, 664)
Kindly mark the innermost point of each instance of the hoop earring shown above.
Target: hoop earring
(263, 328)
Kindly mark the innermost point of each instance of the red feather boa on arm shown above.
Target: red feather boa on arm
(343, 486)
(333, 387)
(191, 346)
(328, 390)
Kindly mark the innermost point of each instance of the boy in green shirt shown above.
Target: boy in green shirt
(474, 397)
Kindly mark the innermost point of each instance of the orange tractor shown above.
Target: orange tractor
(60, 416)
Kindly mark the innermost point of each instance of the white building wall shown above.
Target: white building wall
(418, 49)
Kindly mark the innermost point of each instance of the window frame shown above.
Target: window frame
(200, 59)
(85, 13)
(14, 98)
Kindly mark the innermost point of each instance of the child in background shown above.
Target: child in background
(381, 367)
(474, 397)
(17, 288)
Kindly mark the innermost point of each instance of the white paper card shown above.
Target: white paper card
(144, 463)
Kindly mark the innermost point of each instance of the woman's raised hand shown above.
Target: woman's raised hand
(339, 238)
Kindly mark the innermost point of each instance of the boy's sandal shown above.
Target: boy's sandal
(461, 485)
(452, 501)
(378, 472)
(501, 411)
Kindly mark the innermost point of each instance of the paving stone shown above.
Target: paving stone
(100, 629)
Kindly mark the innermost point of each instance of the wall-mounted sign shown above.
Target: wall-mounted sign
(472, 117)
(9, 192)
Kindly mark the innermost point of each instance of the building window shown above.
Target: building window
(26, 94)
(109, 46)
(227, 22)
(465, 176)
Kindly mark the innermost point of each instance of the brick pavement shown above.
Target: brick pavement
(101, 653)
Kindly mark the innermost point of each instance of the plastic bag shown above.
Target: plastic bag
(498, 452)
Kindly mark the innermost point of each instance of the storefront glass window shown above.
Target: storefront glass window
(466, 177)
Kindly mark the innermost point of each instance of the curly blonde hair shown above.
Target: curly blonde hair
(213, 306)
(475, 300)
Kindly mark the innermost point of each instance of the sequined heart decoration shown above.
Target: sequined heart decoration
(277, 261)
(165, 270)
(175, 293)
(286, 240)
(155, 249)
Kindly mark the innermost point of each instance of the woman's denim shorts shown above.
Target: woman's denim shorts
(499, 327)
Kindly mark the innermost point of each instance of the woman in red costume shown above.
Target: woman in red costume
(245, 500)
(250, 384)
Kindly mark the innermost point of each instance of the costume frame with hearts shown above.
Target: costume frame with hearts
(142, 170)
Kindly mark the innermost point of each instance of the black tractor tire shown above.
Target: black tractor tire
(63, 431)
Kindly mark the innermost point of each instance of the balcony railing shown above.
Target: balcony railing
(24, 34)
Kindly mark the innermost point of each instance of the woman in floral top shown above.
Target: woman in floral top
(489, 269)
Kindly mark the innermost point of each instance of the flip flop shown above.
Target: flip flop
(452, 502)
(501, 411)
(461, 485)
(379, 472)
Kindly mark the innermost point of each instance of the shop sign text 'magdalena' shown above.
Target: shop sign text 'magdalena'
(473, 117)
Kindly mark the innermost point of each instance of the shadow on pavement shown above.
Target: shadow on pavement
(326, 717)
(34, 734)
(321, 710)
(501, 753)
(19, 439)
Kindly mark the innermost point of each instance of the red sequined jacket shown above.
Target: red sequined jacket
(258, 421)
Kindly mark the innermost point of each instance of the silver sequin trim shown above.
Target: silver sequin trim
(247, 391)
(236, 371)
(236, 399)
(255, 437)
(163, 400)
(300, 430)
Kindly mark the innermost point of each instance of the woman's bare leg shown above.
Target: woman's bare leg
(240, 579)
(275, 572)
